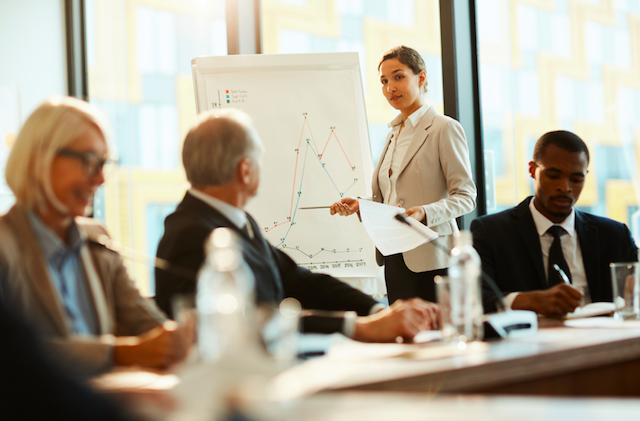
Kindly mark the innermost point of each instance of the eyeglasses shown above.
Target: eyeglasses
(91, 164)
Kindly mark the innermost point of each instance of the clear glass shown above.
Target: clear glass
(625, 281)
(139, 69)
(224, 299)
(464, 290)
(443, 293)
(280, 330)
(561, 65)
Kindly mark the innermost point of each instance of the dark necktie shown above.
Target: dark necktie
(247, 230)
(556, 257)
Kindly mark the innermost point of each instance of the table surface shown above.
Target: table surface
(440, 373)
(374, 406)
(550, 351)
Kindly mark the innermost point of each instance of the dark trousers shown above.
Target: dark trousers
(402, 283)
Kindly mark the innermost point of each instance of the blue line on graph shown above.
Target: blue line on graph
(354, 183)
(325, 170)
(293, 217)
(304, 165)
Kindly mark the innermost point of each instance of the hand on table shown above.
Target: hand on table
(402, 319)
(553, 302)
(160, 347)
(345, 207)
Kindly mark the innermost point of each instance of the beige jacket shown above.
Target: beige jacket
(27, 289)
(435, 174)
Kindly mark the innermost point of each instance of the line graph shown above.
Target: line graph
(293, 210)
(316, 151)
(307, 153)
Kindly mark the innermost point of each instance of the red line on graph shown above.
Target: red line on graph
(295, 171)
(310, 132)
(345, 154)
(276, 225)
(325, 145)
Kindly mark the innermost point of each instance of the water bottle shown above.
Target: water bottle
(224, 297)
(465, 269)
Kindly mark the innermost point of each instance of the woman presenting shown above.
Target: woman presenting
(425, 168)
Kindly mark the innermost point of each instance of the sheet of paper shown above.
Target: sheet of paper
(389, 235)
(593, 309)
(603, 322)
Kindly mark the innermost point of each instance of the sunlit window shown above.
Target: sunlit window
(367, 27)
(139, 58)
(568, 65)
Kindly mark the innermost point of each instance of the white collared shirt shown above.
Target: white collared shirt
(233, 214)
(570, 248)
(398, 145)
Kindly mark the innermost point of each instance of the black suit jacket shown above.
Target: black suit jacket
(277, 275)
(509, 246)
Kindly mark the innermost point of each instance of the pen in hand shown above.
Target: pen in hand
(566, 280)
(561, 274)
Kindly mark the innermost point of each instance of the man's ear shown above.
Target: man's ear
(532, 169)
(244, 171)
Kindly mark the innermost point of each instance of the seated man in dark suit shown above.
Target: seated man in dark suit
(520, 246)
(221, 155)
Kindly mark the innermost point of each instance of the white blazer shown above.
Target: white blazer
(435, 174)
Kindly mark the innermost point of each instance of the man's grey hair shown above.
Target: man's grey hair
(216, 144)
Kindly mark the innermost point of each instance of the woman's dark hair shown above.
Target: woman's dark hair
(409, 57)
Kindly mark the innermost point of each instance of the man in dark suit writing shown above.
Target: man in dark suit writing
(222, 156)
(520, 247)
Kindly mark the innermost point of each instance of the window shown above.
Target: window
(23, 84)
(368, 27)
(139, 54)
(562, 65)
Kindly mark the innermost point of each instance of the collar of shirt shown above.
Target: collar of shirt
(543, 224)
(233, 214)
(54, 249)
(413, 119)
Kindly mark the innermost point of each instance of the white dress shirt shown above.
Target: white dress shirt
(233, 214)
(399, 143)
(570, 248)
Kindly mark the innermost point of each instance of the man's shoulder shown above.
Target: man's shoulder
(500, 217)
(600, 221)
(505, 214)
(187, 226)
(191, 212)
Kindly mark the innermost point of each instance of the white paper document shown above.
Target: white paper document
(388, 234)
(593, 309)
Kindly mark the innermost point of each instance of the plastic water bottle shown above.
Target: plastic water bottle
(224, 297)
(465, 268)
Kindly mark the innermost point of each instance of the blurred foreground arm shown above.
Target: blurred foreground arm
(402, 319)
(161, 347)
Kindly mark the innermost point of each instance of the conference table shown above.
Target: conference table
(560, 372)
(556, 360)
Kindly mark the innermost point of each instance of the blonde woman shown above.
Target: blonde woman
(74, 292)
